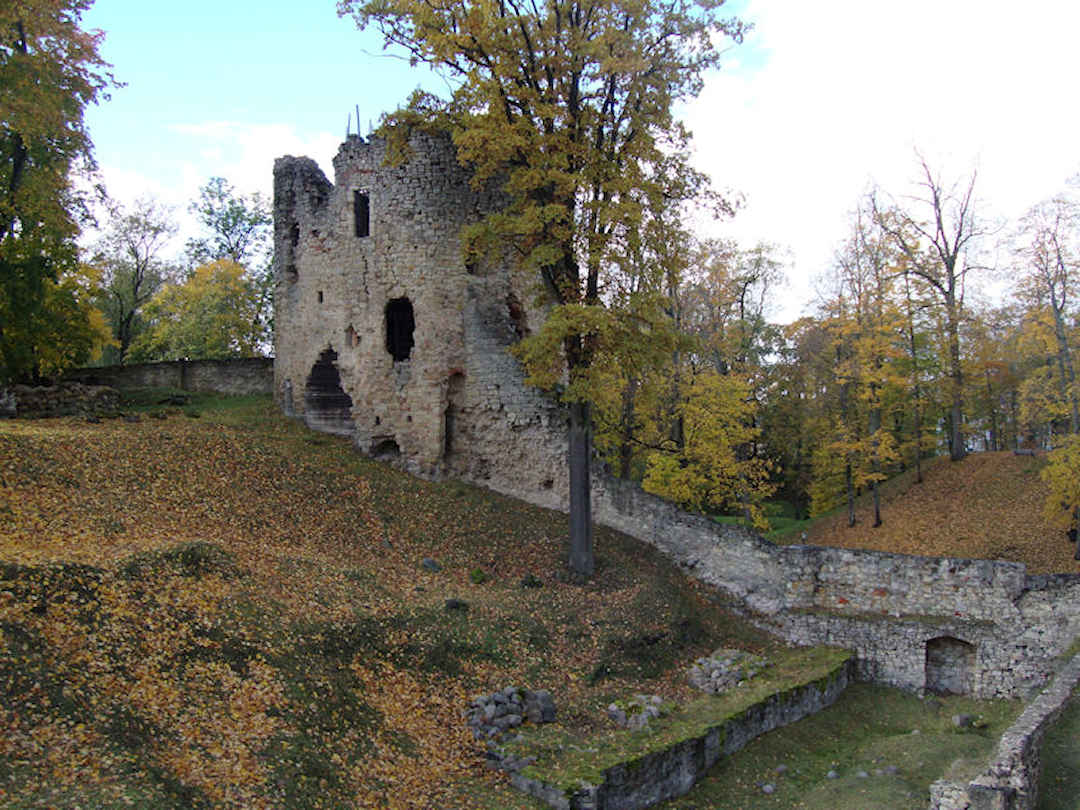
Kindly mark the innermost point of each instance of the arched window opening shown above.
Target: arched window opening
(949, 666)
(327, 407)
(399, 328)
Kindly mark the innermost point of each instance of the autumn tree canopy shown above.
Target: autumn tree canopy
(50, 70)
(570, 105)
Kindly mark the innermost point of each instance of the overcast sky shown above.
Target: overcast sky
(822, 100)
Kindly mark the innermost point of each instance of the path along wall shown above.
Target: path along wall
(239, 376)
(983, 627)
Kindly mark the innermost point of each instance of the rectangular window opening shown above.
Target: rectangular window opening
(362, 213)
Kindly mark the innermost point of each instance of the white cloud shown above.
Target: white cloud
(241, 153)
(848, 90)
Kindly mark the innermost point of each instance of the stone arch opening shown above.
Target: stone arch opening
(399, 328)
(385, 449)
(327, 407)
(950, 664)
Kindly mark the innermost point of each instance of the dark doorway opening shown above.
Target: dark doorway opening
(326, 405)
(949, 666)
(399, 328)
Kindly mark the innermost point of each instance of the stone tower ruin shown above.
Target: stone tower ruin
(383, 334)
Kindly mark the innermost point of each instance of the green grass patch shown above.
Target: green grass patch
(1059, 785)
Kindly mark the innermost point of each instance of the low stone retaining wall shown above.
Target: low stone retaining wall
(1011, 782)
(671, 772)
(31, 401)
(236, 376)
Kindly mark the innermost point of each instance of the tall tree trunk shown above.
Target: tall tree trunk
(913, 348)
(626, 445)
(875, 426)
(957, 451)
(993, 413)
(581, 528)
(850, 486)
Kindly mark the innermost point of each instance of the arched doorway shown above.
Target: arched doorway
(327, 407)
(950, 663)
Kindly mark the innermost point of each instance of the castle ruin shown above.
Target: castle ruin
(383, 334)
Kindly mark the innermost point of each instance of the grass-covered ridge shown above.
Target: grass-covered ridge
(213, 607)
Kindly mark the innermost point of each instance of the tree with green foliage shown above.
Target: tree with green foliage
(50, 70)
(211, 315)
(570, 106)
(132, 269)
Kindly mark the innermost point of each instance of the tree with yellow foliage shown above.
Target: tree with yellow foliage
(212, 315)
(570, 107)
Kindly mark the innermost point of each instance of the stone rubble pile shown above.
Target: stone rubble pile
(724, 670)
(490, 716)
(637, 712)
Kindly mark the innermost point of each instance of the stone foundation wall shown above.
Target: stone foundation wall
(234, 377)
(1011, 781)
(32, 401)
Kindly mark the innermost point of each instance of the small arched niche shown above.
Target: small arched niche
(327, 407)
(399, 328)
(950, 663)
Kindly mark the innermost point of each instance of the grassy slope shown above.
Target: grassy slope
(988, 506)
(231, 611)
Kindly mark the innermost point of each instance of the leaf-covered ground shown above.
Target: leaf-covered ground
(988, 506)
(231, 611)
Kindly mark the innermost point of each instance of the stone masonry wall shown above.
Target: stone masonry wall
(240, 376)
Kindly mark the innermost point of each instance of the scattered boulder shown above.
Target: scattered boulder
(724, 670)
(432, 565)
(452, 604)
(638, 712)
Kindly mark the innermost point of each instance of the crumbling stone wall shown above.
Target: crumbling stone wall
(355, 261)
(887, 608)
